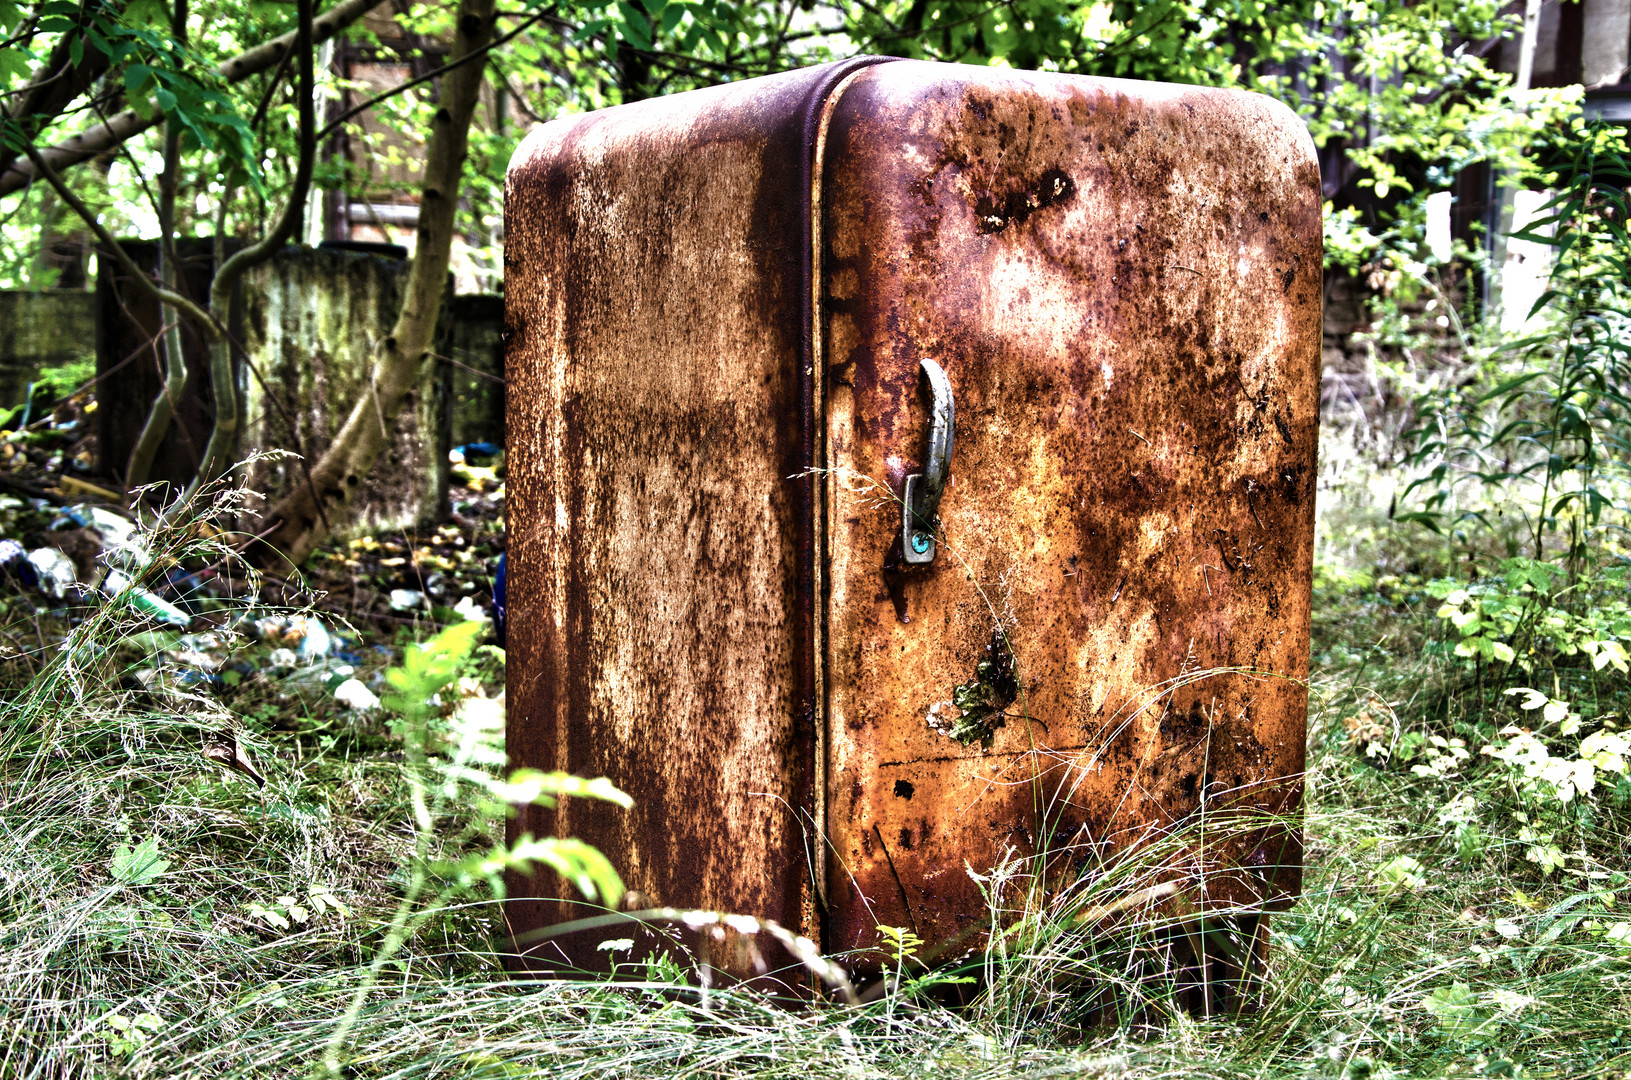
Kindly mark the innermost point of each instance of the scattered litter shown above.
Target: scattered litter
(206, 652)
(476, 453)
(120, 543)
(53, 571)
(192, 658)
(70, 538)
(470, 611)
(354, 695)
(186, 591)
(143, 600)
(315, 640)
(310, 639)
(406, 599)
(14, 562)
(477, 465)
(75, 486)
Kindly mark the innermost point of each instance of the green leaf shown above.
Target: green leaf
(13, 64)
(1456, 1008)
(636, 27)
(137, 866)
(533, 786)
(1402, 874)
(578, 862)
(590, 29)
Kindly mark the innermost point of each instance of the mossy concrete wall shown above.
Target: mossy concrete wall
(40, 330)
(312, 319)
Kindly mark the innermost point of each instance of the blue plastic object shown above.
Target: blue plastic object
(498, 603)
(479, 450)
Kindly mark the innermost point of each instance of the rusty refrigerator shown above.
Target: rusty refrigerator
(851, 627)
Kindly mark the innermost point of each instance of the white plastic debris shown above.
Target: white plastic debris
(282, 658)
(144, 600)
(470, 611)
(308, 637)
(54, 570)
(120, 544)
(354, 695)
(406, 599)
(313, 638)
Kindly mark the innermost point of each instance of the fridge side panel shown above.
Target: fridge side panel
(1122, 282)
(659, 592)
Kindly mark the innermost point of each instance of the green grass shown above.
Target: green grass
(142, 889)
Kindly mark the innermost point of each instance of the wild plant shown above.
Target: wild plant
(1554, 419)
(453, 770)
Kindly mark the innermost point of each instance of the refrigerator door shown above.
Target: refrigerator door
(1121, 282)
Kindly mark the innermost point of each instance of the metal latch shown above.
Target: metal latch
(920, 501)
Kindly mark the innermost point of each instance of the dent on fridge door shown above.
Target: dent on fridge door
(1121, 282)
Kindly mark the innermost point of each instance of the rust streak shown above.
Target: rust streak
(900, 885)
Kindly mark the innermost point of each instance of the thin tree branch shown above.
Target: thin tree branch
(16, 174)
(226, 275)
(295, 527)
(163, 409)
(266, 98)
(223, 383)
(130, 160)
(163, 296)
(59, 79)
(335, 124)
(509, 88)
(23, 36)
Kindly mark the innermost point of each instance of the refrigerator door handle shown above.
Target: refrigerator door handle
(920, 500)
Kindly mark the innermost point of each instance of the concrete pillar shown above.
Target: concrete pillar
(40, 330)
(312, 319)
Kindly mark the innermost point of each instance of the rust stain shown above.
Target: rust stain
(1120, 428)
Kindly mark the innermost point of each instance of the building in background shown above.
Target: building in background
(378, 201)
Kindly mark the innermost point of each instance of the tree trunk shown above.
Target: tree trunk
(296, 525)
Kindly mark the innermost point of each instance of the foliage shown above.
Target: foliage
(151, 884)
(1439, 933)
(1528, 614)
(1403, 90)
(982, 700)
(157, 72)
(1463, 910)
(1555, 416)
(472, 745)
